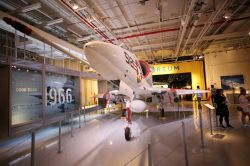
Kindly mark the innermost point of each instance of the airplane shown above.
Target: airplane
(115, 63)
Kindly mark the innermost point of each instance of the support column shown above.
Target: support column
(210, 122)
(149, 155)
(184, 143)
(59, 137)
(201, 129)
(79, 117)
(71, 125)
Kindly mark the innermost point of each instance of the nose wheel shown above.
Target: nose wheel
(127, 132)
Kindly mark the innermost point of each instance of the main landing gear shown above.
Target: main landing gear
(127, 129)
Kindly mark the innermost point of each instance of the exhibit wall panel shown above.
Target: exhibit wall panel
(228, 63)
(26, 95)
(89, 89)
(196, 69)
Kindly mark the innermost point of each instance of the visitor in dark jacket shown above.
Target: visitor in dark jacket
(222, 109)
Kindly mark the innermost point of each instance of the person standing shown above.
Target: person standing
(222, 109)
(161, 104)
(199, 96)
(244, 100)
(213, 93)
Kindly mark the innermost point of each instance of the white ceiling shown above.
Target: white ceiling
(154, 30)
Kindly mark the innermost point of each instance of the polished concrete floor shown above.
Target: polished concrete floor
(101, 142)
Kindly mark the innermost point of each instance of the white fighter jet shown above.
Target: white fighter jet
(115, 63)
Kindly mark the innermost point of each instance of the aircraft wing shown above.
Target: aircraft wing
(177, 91)
(189, 91)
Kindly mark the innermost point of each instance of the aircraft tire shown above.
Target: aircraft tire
(127, 134)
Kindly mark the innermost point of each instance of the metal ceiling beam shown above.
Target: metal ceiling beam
(184, 27)
(146, 26)
(193, 27)
(84, 20)
(177, 28)
(222, 25)
(55, 21)
(208, 24)
(34, 6)
(214, 37)
(80, 39)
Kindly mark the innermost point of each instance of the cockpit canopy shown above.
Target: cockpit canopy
(145, 68)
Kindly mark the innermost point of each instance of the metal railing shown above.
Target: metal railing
(172, 147)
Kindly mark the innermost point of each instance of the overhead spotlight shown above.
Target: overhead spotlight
(182, 22)
(249, 33)
(227, 15)
(75, 6)
(201, 56)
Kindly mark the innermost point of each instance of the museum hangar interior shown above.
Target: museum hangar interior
(49, 82)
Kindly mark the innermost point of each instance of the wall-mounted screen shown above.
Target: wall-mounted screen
(62, 94)
(26, 95)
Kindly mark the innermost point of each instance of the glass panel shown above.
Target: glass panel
(62, 94)
(26, 93)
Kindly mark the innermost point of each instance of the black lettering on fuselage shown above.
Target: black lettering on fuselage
(134, 64)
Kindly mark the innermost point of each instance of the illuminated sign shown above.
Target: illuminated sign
(165, 68)
(59, 95)
(62, 93)
(195, 68)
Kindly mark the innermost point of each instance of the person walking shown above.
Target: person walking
(222, 108)
(243, 101)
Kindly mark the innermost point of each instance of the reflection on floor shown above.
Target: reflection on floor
(101, 142)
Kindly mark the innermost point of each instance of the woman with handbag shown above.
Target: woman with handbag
(244, 100)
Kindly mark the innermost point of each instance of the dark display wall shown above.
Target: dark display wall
(61, 91)
(26, 95)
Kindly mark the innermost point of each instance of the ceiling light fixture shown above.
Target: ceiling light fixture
(227, 15)
(182, 22)
(75, 6)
